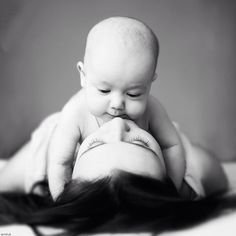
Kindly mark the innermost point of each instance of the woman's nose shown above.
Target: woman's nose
(118, 129)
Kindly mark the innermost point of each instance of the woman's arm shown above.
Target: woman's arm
(12, 175)
(28, 165)
(210, 172)
(203, 169)
(204, 173)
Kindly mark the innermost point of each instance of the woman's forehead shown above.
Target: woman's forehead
(103, 159)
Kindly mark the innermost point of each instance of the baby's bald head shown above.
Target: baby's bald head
(120, 35)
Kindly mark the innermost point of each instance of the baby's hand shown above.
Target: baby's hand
(62, 148)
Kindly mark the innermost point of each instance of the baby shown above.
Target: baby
(116, 76)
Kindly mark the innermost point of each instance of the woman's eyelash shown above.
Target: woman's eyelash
(139, 139)
(92, 142)
(133, 139)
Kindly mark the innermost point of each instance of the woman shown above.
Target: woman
(119, 183)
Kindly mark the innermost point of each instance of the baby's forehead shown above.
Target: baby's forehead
(121, 31)
(121, 26)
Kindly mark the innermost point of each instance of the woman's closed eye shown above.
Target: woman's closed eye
(95, 142)
(139, 140)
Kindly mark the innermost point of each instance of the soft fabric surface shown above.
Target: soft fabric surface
(221, 226)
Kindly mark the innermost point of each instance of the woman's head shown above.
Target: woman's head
(118, 203)
(119, 145)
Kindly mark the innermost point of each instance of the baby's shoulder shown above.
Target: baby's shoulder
(154, 108)
(75, 111)
(159, 120)
(77, 103)
(78, 109)
(153, 103)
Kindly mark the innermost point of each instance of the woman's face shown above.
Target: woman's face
(119, 145)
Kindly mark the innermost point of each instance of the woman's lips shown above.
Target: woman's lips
(123, 116)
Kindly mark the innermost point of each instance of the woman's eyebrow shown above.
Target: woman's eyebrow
(90, 148)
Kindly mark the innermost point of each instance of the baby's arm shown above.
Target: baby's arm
(166, 135)
(63, 144)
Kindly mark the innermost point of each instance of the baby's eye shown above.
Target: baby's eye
(134, 95)
(104, 91)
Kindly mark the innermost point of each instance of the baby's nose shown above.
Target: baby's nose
(118, 129)
(117, 102)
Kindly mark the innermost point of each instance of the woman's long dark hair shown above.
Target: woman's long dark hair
(124, 202)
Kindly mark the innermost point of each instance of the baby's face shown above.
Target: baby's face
(117, 83)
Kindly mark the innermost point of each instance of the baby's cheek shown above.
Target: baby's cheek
(97, 105)
(135, 109)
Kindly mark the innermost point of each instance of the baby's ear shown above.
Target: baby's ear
(154, 77)
(80, 67)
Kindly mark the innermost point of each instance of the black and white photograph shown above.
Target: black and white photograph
(117, 117)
